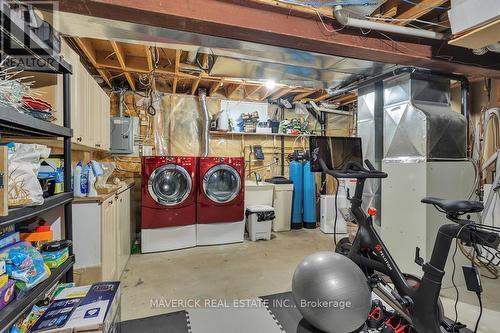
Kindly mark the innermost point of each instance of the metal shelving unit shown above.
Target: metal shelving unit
(13, 310)
(14, 32)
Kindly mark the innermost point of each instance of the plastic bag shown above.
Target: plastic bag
(24, 163)
(24, 264)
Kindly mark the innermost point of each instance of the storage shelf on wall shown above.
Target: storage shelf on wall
(21, 214)
(13, 122)
(16, 308)
(257, 134)
(23, 45)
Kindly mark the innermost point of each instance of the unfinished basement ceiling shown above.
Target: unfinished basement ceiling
(232, 59)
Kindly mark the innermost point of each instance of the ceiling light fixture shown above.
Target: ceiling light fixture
(270, 84)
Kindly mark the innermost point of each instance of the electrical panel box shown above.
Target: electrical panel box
(122, 135)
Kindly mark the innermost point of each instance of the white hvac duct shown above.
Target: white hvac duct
(346, 20)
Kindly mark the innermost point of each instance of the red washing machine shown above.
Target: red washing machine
(168, 214)
(221, 206)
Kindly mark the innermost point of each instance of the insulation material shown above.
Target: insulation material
(184, 123)
(155, 134)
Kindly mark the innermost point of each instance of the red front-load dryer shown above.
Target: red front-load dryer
(168, 209)
(221, 204)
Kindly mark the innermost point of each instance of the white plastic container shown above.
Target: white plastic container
(77, 181)
(282, 203)
(258, 193)
(259, 229)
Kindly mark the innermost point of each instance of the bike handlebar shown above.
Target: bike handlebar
(353, 169)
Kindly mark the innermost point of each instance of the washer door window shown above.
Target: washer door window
(222, 183)
(169, 185)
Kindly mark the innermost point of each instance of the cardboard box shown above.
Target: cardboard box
(9, 239)
(53, 167)
(96, 312)
(7, 293)
(4, 278)
(3, 267)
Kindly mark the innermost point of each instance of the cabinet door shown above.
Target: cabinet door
(82, 116)
(108, 242)
(106, 123)
(96, 114)
(123, 225)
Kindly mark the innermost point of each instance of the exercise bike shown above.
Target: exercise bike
(416, 300)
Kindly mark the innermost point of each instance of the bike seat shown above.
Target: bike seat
(455, 206)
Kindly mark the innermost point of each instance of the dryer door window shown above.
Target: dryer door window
(169, 185)
(222, 183)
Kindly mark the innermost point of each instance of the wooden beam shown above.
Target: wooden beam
(231, 89)
(236, 20)
(106, 76)
(303, 95)
(195, 84)
(324, 11)
(149, 60)
(282, 92)
(149, 57)
(177, 60)
(120, 55)
(174, 85)
(215, 86)
(324, 95)
(269, 92)
(389, 8)
(250, 90)
(89, 52)
(417, 11)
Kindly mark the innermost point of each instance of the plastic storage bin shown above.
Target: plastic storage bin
(259, 221)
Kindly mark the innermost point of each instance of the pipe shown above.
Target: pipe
(191, 57)
(344, 19)
(202, 94)
(121, 99)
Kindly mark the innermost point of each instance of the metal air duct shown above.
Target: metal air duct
(202, 94)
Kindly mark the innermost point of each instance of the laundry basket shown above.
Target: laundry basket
(259, 222)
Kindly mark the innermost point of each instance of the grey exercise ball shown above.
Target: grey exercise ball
(331, 292)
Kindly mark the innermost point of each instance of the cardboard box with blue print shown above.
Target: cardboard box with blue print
(53, 167)
(96, 311)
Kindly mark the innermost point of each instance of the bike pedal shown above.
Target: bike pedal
(376, 318)
(396, 324)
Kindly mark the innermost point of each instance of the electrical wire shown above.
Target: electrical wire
(453, 277)
(336, 213)
(479, 298)
(390, 19)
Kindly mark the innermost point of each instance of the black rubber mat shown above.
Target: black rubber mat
(280, 306)
(283, 308)
(175, 322)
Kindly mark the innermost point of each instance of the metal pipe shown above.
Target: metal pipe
(202, 94)
(121, 98)
(346, 20)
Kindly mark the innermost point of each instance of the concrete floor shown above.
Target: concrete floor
(248, 270)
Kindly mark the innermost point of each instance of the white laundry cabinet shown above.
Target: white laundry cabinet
(101, 235)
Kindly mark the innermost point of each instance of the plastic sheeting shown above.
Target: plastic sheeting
(184, 123)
